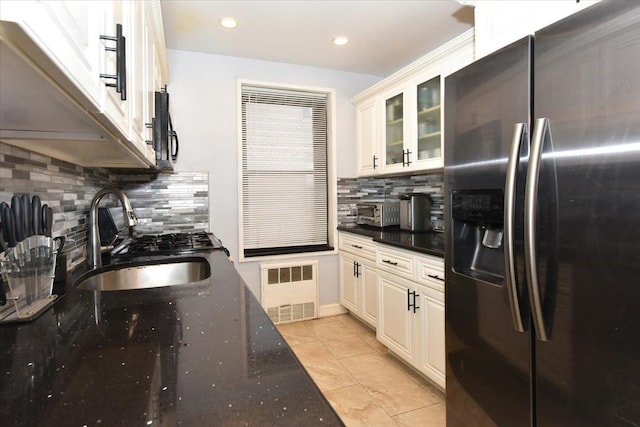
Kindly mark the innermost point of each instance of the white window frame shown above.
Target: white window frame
(332, 183)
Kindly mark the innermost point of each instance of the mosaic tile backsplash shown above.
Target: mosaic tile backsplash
(373, 189)
(162, 203)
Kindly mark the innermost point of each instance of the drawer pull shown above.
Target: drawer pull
(357, 246)
(389, 262)
(435, 276)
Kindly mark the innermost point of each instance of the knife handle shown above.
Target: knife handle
(8, 226)
(26, 216)
(16, 207)
(3, 295)
(47, 220)
(36, 215)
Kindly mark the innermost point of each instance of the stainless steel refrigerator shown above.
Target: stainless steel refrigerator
(542, 211)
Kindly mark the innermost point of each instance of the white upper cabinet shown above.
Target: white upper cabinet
(67, 32)
(367, 137)
(116, 66)
(93, 90)
(499, 23)
(412, 123)
(399, 120)
(395, 129)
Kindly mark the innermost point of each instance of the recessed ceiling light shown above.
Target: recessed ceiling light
(340, 40)
(228, 22)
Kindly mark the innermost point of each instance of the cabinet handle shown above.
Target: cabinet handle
(354, 269)
(374, 161)
(121, 63)
(389, 262)
(357, 246)
(357, 269)
(435, 276)
(407, 153)
(412, 305)
(150, 126)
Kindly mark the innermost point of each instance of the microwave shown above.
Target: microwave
(165, 138)
(378, 214)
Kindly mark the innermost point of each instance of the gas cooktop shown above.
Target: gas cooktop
(171, 243)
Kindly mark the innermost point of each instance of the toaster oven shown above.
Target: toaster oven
(378, 214)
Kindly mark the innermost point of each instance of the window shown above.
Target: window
(284, 171)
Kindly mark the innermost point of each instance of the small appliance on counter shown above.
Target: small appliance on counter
(378, 214)
(415, 211)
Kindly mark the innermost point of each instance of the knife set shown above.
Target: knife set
(28, 258)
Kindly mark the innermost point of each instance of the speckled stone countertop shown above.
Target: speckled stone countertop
(202, 354)
(430, 243)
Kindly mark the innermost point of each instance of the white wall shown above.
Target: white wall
(203, 111)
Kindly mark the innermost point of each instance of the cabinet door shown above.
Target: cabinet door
(427, 114)
(348, 283)
(394, 131)
(432, 345)
(113, 106)
(395, 320)
(367, 138)
(368, 291)
(138, 60)
(429, 121)
(150, 86)
(68, 32)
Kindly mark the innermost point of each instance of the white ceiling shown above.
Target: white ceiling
(383, 36)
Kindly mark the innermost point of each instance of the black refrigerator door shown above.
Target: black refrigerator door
(587, 84)
(488, 361)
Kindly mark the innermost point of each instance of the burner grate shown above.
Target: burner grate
(173, 242)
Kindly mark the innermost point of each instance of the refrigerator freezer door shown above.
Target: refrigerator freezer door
(587, 83)
(488, 360)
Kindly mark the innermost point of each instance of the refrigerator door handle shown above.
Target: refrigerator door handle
(520, 133)
(540, 129)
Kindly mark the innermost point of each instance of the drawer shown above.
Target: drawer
(357, 245)
(397, 262)
(431, 272)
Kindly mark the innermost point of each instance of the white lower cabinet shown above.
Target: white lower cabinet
(348, 282)
(411, 312)
(396, 321)
(431, 332)
(401, 294)
(369, 289)
(359, 277)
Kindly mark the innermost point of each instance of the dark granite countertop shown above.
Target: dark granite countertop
(430, 243)
(191, 355)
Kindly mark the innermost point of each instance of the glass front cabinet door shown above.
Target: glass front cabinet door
(394, 131)
(429, 122)
(412, 126)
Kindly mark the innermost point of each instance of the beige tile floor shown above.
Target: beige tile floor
(366, 385)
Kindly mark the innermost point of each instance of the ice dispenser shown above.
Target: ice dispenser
(477, 217)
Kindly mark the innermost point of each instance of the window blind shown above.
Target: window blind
(284, 171)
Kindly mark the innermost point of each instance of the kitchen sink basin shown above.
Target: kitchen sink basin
(145, 274)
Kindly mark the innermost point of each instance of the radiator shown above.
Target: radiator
(289, 291)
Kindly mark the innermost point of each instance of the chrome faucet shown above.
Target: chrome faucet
(94, 253)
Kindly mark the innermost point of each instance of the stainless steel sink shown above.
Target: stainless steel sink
(145, 274)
